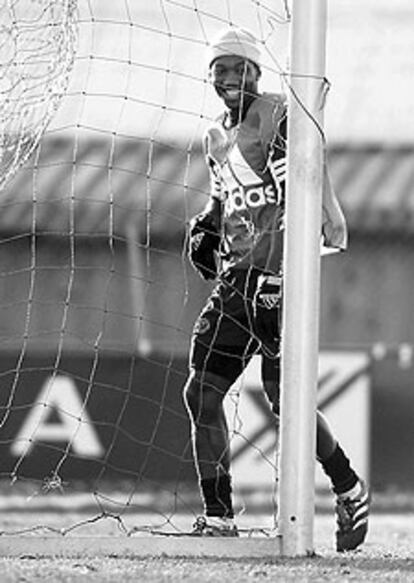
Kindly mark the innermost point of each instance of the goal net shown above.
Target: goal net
(103, 105)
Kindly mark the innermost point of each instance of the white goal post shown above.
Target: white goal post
(300, 333)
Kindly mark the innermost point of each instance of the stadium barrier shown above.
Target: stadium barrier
(122, 417)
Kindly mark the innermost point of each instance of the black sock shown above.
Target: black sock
(217, 496)
(339, 470)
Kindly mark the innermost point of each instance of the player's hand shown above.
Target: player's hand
(266, 311)
(216, 143)
(334, 231)
(203, 243)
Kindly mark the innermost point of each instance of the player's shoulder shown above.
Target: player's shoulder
(266, 112)
(269, 104)
(278, 99)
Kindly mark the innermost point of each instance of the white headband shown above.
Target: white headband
(235, 41)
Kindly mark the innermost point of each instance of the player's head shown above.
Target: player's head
(234, 60)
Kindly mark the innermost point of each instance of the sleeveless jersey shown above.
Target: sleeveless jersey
(247, 166)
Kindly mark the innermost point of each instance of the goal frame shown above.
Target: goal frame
(300, 335)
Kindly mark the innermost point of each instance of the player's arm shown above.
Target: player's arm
(204, 241)
(204, 235)
(334, 229)
(274, 144)
(276, 158)
(268, 295)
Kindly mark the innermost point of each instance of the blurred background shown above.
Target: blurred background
(102, 155)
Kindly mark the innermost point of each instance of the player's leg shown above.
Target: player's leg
(218, 356)
(352, 497)
(328, 451)
(203, 394)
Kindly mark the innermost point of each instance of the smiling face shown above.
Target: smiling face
(235, 80)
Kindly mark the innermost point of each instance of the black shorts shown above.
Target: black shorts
(223, 340)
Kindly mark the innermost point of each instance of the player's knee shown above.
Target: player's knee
(203, 396)
(191, 396)
(203, 405)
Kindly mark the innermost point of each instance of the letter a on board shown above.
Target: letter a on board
(59, 399)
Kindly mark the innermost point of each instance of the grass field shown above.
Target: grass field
(388, 554)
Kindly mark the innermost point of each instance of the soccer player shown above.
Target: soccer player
(237, 239)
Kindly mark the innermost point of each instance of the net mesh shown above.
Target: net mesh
(97, 299)
(37, 44)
